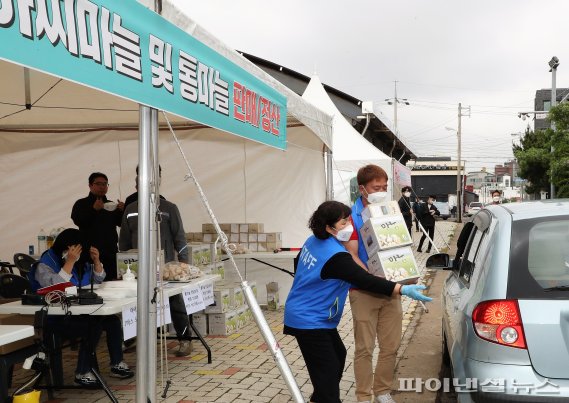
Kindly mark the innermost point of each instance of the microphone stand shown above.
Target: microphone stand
(88, 297)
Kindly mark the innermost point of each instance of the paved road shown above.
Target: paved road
(244, 371)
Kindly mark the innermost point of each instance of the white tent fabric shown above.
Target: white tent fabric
(351, 150)
(48, 152)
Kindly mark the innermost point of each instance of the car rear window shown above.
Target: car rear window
(539, 259)
(475, 204)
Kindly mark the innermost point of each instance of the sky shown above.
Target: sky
(491, 55)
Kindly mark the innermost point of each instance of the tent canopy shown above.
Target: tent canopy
(49, 150)
(351, 150)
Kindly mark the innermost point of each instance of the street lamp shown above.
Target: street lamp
(553, 63)
(458, 176)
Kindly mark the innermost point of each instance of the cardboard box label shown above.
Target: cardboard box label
(383, 233)
(374, 210)
(397, 265)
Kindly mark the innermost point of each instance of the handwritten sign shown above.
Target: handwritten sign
(193, 298)
(207, 293)
(129, 321)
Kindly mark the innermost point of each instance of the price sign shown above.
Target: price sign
(207, 293)
(129, 321)
(193, 298)
(167, 317)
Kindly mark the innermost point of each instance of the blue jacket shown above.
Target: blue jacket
(314, 303)
(49, 258)
(357, 209)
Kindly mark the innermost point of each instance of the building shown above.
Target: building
(543, 103)
(377, 132)
(480, 179)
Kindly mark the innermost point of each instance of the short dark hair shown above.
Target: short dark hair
(328, 213)
(496, 191)
(433, 197)
(96, 175)
(370, 172)
(406, 189)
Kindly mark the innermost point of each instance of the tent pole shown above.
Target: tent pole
(153, 252)
(144, 262)
(329, 176)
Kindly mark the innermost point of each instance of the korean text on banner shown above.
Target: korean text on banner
(125, 49)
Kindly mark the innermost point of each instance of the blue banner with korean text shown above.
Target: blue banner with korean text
(125, 49)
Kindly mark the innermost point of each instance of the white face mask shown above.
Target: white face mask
(376, 197)
(496, 198)
(345, 233)
(407, 194)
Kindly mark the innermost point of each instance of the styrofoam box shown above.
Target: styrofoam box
(397, 265)
(221, 301)
(131, 257)
(199, 320)
(380, 210)
(381, 233)
(222, 324)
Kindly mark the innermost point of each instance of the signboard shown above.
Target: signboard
(193, 298)
(125, 49)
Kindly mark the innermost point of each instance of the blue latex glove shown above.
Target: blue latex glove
(414, 291)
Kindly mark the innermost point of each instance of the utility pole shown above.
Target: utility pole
(459, 187)
(396, 101)
(553, 63)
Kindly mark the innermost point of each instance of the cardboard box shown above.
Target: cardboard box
(274, 237)
(256, 228)
(244, 228)
(236, 296)
(252, 238)
(217, 268)
(243, 237)
(253, 247)
(234, 228)
(225, 228)
(375, 210)
(208, 228)
(131, 257)
(208, 238)
(199, 319)
(234, 238)
(221, 301)
(261, 247)
(16, 319)
(200, 254)
(223, 324)
(271, 246)
(215, 252)
(397, 265)
(383, 233)
(273, 299)
(262, 237)
(244, 316)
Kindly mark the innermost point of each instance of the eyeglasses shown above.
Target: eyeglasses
(103, 184)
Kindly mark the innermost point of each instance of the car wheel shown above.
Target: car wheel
(445, 218)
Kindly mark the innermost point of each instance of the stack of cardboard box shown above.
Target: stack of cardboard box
(229, 312)
(251, 236)
(386, 239)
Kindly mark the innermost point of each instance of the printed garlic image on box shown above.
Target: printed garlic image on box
(397, 265)
(381, 233)
(380, 210)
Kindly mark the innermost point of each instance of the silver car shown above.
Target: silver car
(506, 304)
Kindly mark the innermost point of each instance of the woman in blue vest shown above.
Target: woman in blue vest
(68, 261)
(324, 273)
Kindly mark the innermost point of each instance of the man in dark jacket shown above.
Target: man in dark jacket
(405, 207)
(97, 218)
(427, 219)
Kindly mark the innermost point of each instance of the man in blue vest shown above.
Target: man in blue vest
(374, 316)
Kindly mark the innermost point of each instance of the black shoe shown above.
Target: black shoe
(122, 371)
(87, 379)
(419, 250)
(428, 251)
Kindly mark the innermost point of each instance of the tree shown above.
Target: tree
(560, 156)
(533, 156)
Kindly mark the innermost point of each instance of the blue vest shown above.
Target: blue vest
(314, 303)
(50, 259)
(357, 209)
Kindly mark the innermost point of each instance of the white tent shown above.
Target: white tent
(351, 150)
(48, 151)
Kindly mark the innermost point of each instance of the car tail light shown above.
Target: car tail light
(499, 321)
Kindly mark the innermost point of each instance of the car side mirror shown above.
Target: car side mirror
(439, 261)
